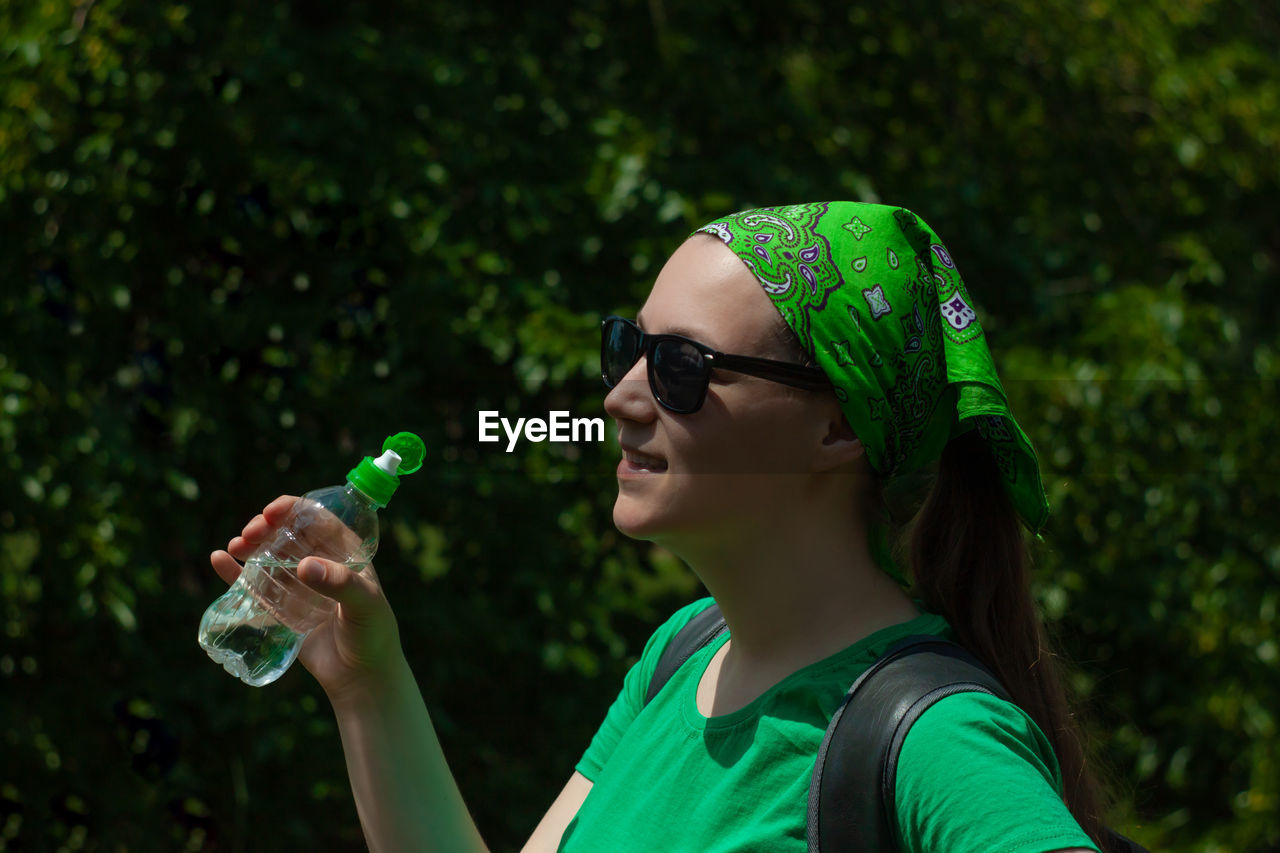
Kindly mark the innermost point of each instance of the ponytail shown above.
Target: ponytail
(971, 565)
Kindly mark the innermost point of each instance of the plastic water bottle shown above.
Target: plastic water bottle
(256, 628)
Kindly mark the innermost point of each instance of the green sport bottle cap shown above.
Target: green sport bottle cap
(402, 453)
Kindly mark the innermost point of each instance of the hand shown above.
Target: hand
(358, 647)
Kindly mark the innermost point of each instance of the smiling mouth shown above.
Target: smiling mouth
(644, 463)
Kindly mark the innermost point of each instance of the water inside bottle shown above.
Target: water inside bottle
(248, 630)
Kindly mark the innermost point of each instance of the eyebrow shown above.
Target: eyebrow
(683, 331)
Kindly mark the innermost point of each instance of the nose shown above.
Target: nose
(631, 398)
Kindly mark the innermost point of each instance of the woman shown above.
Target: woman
(768, 481)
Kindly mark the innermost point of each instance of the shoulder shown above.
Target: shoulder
(630, 701)
(644, 668)
(976, 773)
(982, 725)
(665, 632)
(686, 614)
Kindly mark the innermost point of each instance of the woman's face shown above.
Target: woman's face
(746, 457)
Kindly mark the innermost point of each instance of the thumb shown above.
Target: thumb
(335, 581)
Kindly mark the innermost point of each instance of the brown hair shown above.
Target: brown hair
(970, 562)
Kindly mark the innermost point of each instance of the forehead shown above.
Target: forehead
(707, 293)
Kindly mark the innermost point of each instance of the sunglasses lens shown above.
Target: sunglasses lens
(620, 352)
(679, 375)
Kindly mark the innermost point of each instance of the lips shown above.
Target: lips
(638, 461)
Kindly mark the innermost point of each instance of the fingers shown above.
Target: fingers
(319, 531)
(352, 590)
(225, 565)
(261, 528)
(276, 511)
(257, 529)
(272, 516)
(241, 548)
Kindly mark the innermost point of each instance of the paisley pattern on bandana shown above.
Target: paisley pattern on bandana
(900, 341)
(792, 262)
(962, 321)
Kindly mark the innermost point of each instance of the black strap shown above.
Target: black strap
(910, 676)
(702, 629)
(847, 810)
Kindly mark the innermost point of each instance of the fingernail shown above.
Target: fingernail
(310, 570)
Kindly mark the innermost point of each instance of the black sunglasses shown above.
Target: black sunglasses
(680, 368)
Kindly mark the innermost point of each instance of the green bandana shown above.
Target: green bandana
(877, 301)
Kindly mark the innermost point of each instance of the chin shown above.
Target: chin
(655, 522)
(633, 521)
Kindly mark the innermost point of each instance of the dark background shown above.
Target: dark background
(241, 242)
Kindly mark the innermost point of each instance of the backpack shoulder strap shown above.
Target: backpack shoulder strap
(862, 756)
(702, 629)
(910, 676)
(852, 788)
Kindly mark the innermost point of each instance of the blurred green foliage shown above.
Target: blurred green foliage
(244, 241)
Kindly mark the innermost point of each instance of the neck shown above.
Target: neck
(794, 599)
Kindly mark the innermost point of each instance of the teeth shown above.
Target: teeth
(645, 461)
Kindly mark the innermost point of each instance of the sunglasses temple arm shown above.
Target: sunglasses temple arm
(795, 375)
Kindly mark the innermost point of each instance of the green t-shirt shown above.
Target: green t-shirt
(975, 773)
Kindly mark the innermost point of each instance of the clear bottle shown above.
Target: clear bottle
(257, 627)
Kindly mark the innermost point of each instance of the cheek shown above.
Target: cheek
(764, 439)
